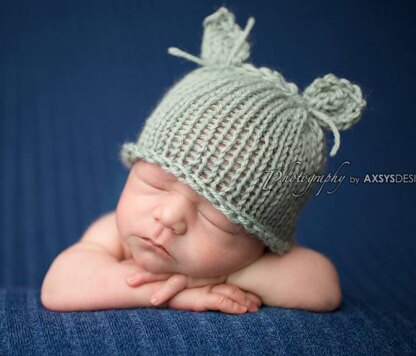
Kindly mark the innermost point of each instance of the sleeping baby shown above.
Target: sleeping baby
(206, 219)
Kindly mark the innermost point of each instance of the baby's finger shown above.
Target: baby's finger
(173, 285)
(233, 292)
(256, 300)
(254, 303)
(223, 303)
(142, 277)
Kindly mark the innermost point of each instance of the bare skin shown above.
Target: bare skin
(206, 262)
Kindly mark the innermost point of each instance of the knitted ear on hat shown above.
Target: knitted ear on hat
(223, 42)
(336, 103)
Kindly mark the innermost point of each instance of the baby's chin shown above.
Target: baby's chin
(153, 263)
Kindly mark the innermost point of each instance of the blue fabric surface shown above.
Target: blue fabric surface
(356, 329)
(78, 78)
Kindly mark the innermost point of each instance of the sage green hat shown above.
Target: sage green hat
(230, 130)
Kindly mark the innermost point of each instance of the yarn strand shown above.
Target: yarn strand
(320, 116)
(179, 53)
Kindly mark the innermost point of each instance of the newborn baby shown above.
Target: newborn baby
(215, 265)
(206, 220)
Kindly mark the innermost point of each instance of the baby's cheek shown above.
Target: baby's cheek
(209, 256)
(211, 260)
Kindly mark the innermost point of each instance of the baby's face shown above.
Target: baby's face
(200, 239)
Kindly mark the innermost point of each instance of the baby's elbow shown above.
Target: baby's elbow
(329, 295)
(47, 298)
(330, 301)
(48, 295)
(318, 286)
(335, 300)
(335, 296)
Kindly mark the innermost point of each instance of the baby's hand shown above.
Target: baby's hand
(182, 293)
(143, 276)
(175, 282)
(223, 297)
(178, 282)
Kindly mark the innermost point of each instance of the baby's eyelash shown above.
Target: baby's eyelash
(152, 186)
(222, 229)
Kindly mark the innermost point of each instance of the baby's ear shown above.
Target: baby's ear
(223, 41)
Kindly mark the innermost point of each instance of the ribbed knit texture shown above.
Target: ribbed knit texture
(26, 328)
(229, 129)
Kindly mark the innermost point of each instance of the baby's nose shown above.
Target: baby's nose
(174, 214)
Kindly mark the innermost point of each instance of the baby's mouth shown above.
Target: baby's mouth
(156, 245)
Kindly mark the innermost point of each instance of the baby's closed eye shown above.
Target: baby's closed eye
(153, 186)
(220, 225)
(213, 218)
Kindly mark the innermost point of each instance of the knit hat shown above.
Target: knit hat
(227, 126)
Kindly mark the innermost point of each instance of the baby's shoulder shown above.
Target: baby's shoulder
(103, 234)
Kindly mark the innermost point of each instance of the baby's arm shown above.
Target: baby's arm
(90, 275)
(83, 278)
(301, 279)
